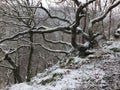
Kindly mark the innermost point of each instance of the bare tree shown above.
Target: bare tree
(23, 15)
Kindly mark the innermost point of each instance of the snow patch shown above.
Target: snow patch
(22, 86)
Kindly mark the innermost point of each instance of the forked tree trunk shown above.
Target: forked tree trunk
(16, 70)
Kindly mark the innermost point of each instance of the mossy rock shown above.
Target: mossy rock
(115, 49)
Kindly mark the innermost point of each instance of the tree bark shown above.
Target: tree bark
(30, 58)
(16, 70)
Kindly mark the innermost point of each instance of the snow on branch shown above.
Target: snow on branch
(80, 13)
(76, 2)
(6, 57)
(56, 42)
(14, 36)
(54, 17)
(85, 35)
(50, 30)
(8, 52)
(12, 23)
(48, 13)
(15, 50)
(51, 50)
(36, 30)
(87, 3)
(97, 19)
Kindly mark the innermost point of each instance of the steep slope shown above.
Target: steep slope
(100, 71)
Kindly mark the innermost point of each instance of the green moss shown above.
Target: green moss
(70, 61)
(53, 78)
(44, 82)
(57, 74)
(115, 49)
(67, 62)
(62, 65)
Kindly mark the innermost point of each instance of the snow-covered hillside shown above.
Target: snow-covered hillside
(100, 71)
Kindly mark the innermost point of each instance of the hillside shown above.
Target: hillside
(100, 71)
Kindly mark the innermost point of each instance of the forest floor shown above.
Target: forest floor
(99, 71)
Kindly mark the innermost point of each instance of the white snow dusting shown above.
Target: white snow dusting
(68, 78)
(71, 79)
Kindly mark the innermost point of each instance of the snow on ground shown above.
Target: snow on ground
(74, 74)
(70, 79)
(112, 44)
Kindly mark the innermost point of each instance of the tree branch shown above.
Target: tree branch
(51, 50)
(77, 23)
(4, 66)
(97, 19)
(15, 50)
(15, 36)
(36, 30)
(56, 42)
(50, 30)
(48, 13)
(12, 23)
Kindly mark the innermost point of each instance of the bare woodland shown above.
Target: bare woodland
(34, 36)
